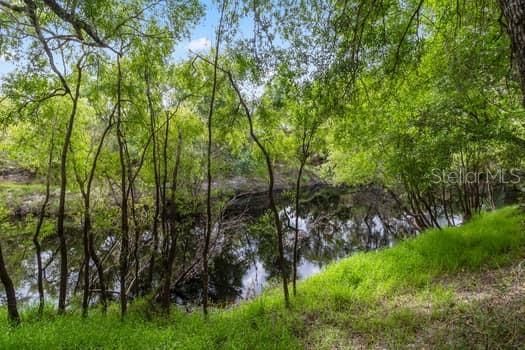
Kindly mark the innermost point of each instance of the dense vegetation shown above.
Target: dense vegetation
(138, 157)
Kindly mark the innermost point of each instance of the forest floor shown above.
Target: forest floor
(460, 287)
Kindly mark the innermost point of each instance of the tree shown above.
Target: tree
(514, 12)
(38, 228)
(450, 105)
(271, 181)
(302, 104)
(69, 34)
(85, 184)
(209, 218)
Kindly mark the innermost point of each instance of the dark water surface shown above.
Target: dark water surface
(334, 223)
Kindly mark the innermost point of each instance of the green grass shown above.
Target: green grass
(369, 299)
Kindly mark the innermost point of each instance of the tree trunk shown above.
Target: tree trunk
(62, 199)
(36, 236)
(209, 224)
(166, 293)
(124, 222)
(271, 180)
(100, 273)
(296, 226)
(31, 10)
(514, 13)
(85, 242)
(278, 227)
(12, 310)
(156, 171)
(89, 245)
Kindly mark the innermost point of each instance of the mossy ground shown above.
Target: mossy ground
(459, 287)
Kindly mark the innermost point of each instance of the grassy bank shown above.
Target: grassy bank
(458, 287)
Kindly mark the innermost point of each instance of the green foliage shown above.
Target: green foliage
(454, 106)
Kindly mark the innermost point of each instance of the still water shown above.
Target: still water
(333, 223)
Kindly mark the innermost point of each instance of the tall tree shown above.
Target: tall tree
(90, 254)
(209, 214)
(124, 215)
(271, 182)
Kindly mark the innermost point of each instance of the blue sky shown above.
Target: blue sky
(5, 66)
(203, 34)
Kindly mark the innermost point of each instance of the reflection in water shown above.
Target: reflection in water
(333, 224)
(253, 280)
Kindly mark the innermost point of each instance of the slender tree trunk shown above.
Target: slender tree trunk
(296, 226)
(278, 227)
(36, 236)
(171, 216)
(514, 12)
(31, 10)
(12, 310)
(132, 176)
(124, 223)
(62, 199)
(445, 204)
(209, 224)
(87, 235)
(100, 273)
(165, 292)
(85, 242)
(136, 239)
(164, 195)
(136, 230)
(271, 181)
(155, 228)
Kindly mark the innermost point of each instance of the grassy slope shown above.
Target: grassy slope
(415, 293)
